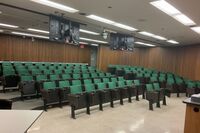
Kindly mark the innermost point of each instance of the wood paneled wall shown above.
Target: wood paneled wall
(20, 49)
(184, 61)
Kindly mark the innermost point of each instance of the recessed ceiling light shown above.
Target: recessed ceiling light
(146, 33)
(160, 37)
(92, 40)
(37, 30)
(125, 27)
(104, 20)
(173, 41)
(165, 7)
(146, 44)
(83, 43)
(30, 35)
(56, 5)
(107, 21)
(96, 45)
(196, 29)
(89, 32)
(184, 20)
(8, 25)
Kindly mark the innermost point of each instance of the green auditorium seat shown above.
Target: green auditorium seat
(76, 82)
(50, 94)
(102, 75)
(124, 93)
(66, 76)
(68, 70)
(153, 79)
(87, 81)
(58, 71)
(97, 81)
(85, 75)
(36, 72)
(76, 76)
(54, 77)
(64, 90)
(94, 75)
(191, 88)
(113, 79)
(120, 78)
(140, 89)
(105, 80)
(131, 89)
(22, 72)
(47, 72)
(77, 99)
(27, 86)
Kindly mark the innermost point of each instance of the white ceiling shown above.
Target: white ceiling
(136, 13)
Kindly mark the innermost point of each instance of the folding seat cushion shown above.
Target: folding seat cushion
(54, 77)
(77, 99)
(191, 88)
(105, 80)
(97, 81)
(50, 93)
(76, 82)
(87, 81)
(66, 76)
(76, 76)
(27, 86)
(64, 90)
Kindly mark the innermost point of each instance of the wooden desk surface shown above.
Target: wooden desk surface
(17, 121)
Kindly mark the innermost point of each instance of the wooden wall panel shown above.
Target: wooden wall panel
(19, 49)
(184, 61)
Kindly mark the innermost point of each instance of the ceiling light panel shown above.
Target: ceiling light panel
(30, 35)
(1, 30)
(196, 29)
(146, 33)
(37, 30)
(159, 37)
(107, 21)
(184, 20)
(8, 25)
(173, 42)
(56, 5)
(165, 7)
(92, 40)
(146, 44)
(89, 32)
(96, 45)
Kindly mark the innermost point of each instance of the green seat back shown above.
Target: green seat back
(58, 71)
(87, 81)
(46, 72)
(63, 84)
(86, 75)
(76, 76)
(66, 76)
(94, 75)
(113, 79)
(76, 82)
(89, 87)
(191, 85)
(129, 83)
(97, 81)
(156, 86)
(121, 84)
(153, 79)
(76, 89)
(101, 75)
(54, 77)
(136, 82)
(170, 81)
(161, 78)
(149, 87)
(49, 85)
(112, 85)
(105, 80)
(101, 86)
(41, 77)
(121, 78)
(26, 78)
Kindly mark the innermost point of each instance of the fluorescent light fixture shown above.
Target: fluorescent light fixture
(159, 37)
(146, 33)
(92, 40)
(196, 29)
(30, 35)
(89, 32)
(1, 30)
(8, 25)
(184, 20)
(104, 20)
(56, 5)
(107, 21)
(173, 41)
(37, 30)
(146, 44)
(83, 43)
(125, 27)
(96, 45)
(165, 7)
